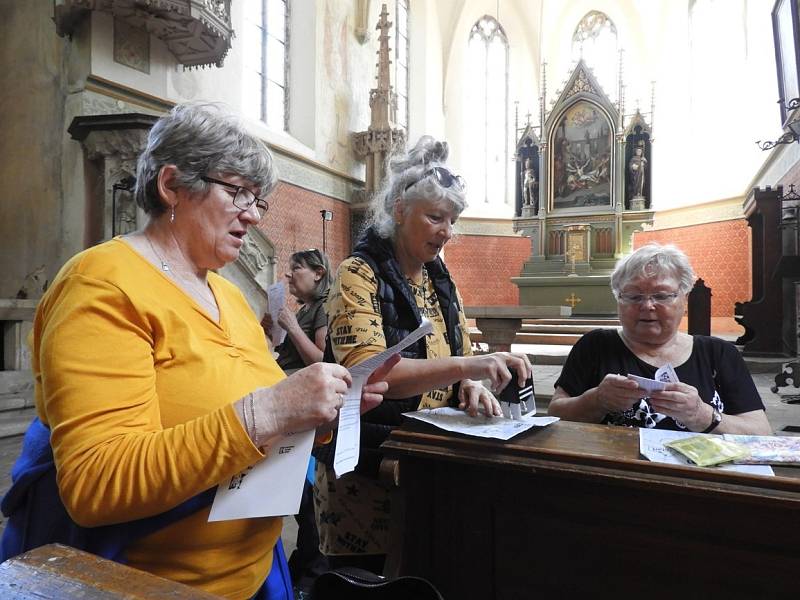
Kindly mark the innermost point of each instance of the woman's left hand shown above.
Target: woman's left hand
(372, 392)
(472, 394)
(682, 402)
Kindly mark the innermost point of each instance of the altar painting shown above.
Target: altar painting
(582, 146)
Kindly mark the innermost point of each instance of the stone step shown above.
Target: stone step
(15, 422)
(15, 401)
(556, 339)
(559, 328)
(597, 322)
(16, 382)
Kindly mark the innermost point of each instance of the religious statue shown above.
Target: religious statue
(529, 188)
(636, 171)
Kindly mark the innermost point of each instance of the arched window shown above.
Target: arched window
(265, 43)
(487, 110)
(401, 47)
(595, 40)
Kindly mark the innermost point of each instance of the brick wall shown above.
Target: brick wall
(482, 267)
(293, 222)
(719, 253)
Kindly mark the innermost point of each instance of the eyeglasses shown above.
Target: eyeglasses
(661, 298)
(443, 177)
(243, 199)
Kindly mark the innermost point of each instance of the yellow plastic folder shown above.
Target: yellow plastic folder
(708, 450)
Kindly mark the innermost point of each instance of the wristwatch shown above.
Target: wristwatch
(716, 419)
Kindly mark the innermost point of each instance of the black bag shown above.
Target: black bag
(351, 583)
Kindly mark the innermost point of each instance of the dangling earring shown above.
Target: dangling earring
(172, 215)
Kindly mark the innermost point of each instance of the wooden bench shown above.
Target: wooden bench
(60, 572)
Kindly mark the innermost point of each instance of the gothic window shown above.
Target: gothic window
(487, 110)
(266, 45)
(401, 47)
(595, 40)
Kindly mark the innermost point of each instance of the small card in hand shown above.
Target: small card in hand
(514, 399)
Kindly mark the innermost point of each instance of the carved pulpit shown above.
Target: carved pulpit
(593, 191)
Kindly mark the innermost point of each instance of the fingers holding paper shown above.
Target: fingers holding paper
(617, 393)
(305, 400)
(682, 402)
(376, 386)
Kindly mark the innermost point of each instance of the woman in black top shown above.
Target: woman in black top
(715, 391)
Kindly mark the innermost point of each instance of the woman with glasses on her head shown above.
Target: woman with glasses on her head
(715, 392)
(153, 381)
(394, 279)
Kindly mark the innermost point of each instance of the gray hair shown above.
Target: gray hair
(407, 169)
(652, 260)
(200, 138)
(316, 260)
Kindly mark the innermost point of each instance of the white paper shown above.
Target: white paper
(276, 297)
(272, 487)
(348, 435)
(452, 419)
(648, 385)
(651, 446)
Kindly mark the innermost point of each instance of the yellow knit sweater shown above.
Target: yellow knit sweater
(136, 383)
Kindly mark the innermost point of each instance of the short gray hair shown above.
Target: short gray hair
(201, 138)
(406, 169)
(651, 260)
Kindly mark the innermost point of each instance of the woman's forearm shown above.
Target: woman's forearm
(583, 408)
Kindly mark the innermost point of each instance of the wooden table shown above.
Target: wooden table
(60, 572)
(571, 510)
(499, 325)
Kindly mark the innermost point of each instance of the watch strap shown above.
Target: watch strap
(716, 419)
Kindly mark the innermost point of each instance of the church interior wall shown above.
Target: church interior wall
(483, 265)
(523, 83)
(719, 252)
(292, 230)
(426, 102)
(33, 105)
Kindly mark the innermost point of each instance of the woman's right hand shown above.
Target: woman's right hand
(495, 368)
(617, 393)
(305, 400)
(266, 324)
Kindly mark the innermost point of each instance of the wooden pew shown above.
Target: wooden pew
(60, 572)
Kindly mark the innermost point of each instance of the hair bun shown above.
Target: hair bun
(428, 150)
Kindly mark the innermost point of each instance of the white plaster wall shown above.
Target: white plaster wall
(330, 77)
(426, 72)
(103, 65)
(520, 23)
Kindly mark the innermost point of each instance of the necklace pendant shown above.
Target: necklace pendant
(164, 266)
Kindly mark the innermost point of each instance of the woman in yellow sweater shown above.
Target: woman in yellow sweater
(153, 379)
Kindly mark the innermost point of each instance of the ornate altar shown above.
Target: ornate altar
(583, 188)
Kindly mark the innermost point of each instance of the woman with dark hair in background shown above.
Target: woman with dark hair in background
(309, 277)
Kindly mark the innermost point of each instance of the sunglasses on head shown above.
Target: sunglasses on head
(443, 177)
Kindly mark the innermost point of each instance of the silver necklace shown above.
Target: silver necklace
(164, 265)
(174, 274)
